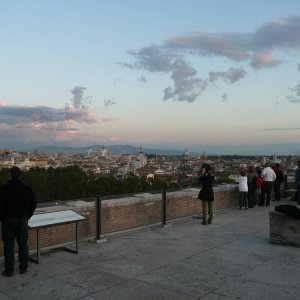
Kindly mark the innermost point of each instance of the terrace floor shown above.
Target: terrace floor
(230, 259)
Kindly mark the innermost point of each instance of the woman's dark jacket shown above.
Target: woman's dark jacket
(206, 193)
(17, 200)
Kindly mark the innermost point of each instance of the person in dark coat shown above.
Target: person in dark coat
(206, 194)
(251, 182)
(278, 181)
(17, 205)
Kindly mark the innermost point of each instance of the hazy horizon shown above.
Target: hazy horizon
(243, 149)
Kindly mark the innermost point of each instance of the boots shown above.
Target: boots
(204, 222)
(210, 217)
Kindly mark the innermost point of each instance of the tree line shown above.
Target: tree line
(68, 183)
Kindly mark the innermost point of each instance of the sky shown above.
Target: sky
(163, 74)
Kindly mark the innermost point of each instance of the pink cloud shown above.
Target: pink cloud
(263, 60)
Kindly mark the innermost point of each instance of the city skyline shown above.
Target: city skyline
(164, 74)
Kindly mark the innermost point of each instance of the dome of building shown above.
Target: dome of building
(136, 164)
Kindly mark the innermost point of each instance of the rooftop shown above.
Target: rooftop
(230, 259)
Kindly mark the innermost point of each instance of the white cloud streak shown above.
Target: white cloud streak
(282, 129)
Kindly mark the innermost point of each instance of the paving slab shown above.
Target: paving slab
(46, 288)
(229, 259)
(251, 290)
(137, 290)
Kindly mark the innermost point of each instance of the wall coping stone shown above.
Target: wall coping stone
(81, 205)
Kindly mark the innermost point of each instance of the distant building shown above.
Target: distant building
(89, 152)
(185, 156)
(103, 152)
(204, 157)
(140, 160)
(40, 163)
(141, 157)
(3, 151)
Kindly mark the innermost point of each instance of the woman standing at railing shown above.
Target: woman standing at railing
(206, 194)
(297, 181)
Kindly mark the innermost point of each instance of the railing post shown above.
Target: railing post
(164, 207)
(98, 220)
(98, 210)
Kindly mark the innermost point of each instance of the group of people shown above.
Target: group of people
(255, 188)
(17, 205)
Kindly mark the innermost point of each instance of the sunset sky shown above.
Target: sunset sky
(159, 73)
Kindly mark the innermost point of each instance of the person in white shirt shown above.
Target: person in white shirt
(268, 175)
(243, 189)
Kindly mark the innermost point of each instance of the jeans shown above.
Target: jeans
(266, 190)
(15, 228)
(207, 207)
(276, 188)
(251, 198)
(257, 195)
(243, 200)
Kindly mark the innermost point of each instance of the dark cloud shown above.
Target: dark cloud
(79, 101)
(43, 114)
(231, 45)
(256, 48)
(231, 76)
(225, 97)
(295, 97)
(280, 34)
(187, 87)
(153, 59)
(142, 79)
(44, 124)
(109, 102)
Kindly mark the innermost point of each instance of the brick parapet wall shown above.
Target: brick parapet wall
(126, 213)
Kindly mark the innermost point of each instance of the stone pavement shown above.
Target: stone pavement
(230, 259)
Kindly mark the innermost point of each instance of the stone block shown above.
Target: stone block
(284, 229)
(290, 193)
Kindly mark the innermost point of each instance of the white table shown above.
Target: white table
(54, 219)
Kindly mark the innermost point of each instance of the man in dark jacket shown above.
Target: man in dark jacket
(297, 181)
(17, 204)
(277, 182)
